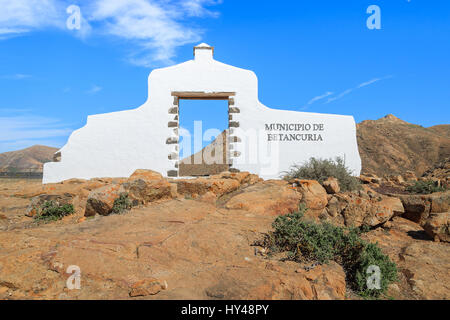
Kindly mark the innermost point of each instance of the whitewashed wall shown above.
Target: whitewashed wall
(116, 144)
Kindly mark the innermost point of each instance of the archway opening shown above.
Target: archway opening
(203, 136)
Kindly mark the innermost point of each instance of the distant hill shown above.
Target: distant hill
(390, 145)
(26, 160)
(188, 167)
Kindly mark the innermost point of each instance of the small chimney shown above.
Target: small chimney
(203, 51)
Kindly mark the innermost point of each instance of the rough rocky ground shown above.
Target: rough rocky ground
(196, 242)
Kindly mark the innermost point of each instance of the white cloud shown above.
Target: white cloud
(365, 84)
(94, 89)
(155, 28)
(197, 7)
(315, 99)
(339, 96)
(17, 76)
(359, 86)
(20, 16)
(16, 131)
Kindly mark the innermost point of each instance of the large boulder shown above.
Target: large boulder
(101, 200)
(437, 226)
(419, 207)
(331, 185)
(395, 204)
(244, 178)
(201, 186)
(366, 212)
(370, 179)
(355, 210)
(147, 175)
(268, 198)
(143, 191)
(440, 202)
(314, 196)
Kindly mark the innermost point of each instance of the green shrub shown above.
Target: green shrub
(425, 187)
(312, 242)
(322, 169)
(122, 204)
(52, 211)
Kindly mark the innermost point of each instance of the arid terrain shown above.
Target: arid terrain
(392, 146)
(201, 238)
(29, 159)
(194, 239)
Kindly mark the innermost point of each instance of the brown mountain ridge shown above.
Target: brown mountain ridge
(390, 145)
(26, 160)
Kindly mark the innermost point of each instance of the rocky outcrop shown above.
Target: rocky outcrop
(331, 185)
(220, 185)
(268, 198)
(422, 263)
(437, 226)
(419, 207)
(363, 208)
(101, 201)
(144, 191)
(314, 196)
(440, 173)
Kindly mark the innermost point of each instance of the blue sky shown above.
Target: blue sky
(316, 56)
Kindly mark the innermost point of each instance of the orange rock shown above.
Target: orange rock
(266, 198)
(437, 226)
(201, 186)
(146, 190)
(331, 185)
(208, 197)
(146, 287)
(313, 195)
(101, 200)
(148, 175)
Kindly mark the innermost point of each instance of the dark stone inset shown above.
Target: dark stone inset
(172, 140)
(173, 110)
(57, 157)
(173, 156)
(172, 173)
